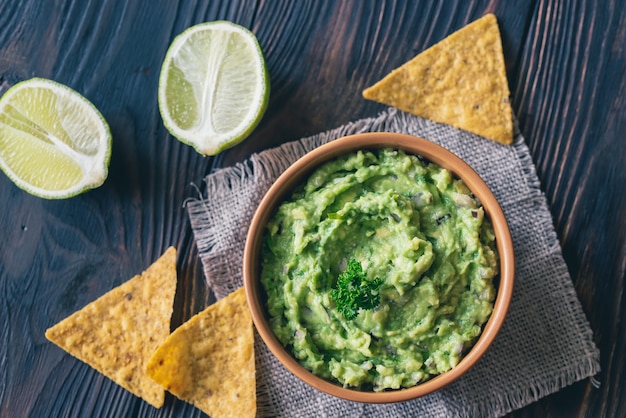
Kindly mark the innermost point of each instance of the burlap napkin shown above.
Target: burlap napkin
(545, 343)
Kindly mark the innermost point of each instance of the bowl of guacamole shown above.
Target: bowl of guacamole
(379, 267)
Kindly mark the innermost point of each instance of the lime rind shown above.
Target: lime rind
(48, 156)
(186, 95)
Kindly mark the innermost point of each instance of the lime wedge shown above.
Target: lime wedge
(213, 86)
(54, 143)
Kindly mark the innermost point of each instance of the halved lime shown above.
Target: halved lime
(54, 143)
(213, 86)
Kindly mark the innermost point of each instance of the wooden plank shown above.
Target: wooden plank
(570, 98)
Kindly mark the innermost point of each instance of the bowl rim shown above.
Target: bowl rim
(295, 174)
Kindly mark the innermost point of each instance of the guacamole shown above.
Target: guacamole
(403, 223)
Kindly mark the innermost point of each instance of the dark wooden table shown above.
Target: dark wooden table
(566, 64)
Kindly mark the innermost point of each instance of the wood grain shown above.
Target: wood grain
(566, 65)
(570, 101)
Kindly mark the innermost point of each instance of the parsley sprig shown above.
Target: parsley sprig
(353, 291)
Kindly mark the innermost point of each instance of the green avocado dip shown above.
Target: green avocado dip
(379, 270)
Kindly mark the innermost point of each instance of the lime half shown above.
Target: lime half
(213, 86)
(54, 143)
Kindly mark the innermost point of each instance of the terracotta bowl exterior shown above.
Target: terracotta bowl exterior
(296, 174)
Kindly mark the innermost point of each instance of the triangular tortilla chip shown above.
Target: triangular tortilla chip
(461, 81)
(209, 360)
(117, 333)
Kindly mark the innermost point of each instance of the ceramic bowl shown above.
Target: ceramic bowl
(295, 175)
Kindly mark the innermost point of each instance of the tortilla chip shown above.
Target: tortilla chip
(118, 332)
(461, 81)
(209, 360)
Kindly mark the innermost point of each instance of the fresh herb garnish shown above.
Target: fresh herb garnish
(353, 291)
